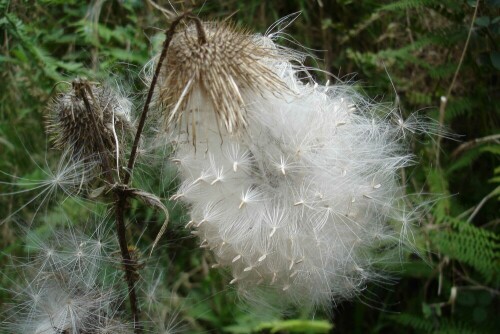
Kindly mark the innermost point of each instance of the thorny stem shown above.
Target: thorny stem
(121, 191)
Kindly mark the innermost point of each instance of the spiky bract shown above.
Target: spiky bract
(214, 65)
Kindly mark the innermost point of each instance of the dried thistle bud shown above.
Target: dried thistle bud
(91, 121)
(216, 62)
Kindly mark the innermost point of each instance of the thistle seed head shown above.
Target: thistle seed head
(307, 198)
(217, 63)
(90, 120)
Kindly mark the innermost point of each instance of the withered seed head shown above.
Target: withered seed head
(90, 120)
(221, 64)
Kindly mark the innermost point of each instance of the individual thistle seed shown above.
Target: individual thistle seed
(90, 120)
(216, 62)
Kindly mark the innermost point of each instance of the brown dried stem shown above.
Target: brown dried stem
(81, 90)
(121, 191)
(169, 35)
(128, 264)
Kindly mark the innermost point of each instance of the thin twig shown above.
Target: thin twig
(408, 26)
(492, 194)
(445, 98)
(468, 145)
(476, 285)
(169, 15)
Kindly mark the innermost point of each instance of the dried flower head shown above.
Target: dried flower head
(90, 120)
(212, 62)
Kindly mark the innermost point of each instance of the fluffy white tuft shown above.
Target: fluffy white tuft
(298, 201)
(71, 285)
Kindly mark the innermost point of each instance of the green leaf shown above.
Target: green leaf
(438, 184)
(493, 3)
(7, 59)
(495, 59)
(296, 326)
(472, 3)
(417, 269)
(405, 4)
(495, 149)
(482, 21)
(7, 144)
(426, 310)
(495, 179)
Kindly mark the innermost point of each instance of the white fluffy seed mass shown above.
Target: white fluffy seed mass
(297, 199)
(69, 284)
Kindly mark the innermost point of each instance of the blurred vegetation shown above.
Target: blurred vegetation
(404, 52)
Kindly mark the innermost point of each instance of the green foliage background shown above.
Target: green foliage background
(404, 52)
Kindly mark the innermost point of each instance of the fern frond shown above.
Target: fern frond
(431, 325)
(413, 4)
(406, 4)
(477, 247)
(413, 321)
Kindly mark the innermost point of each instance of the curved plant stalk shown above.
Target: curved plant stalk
(123, 192)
